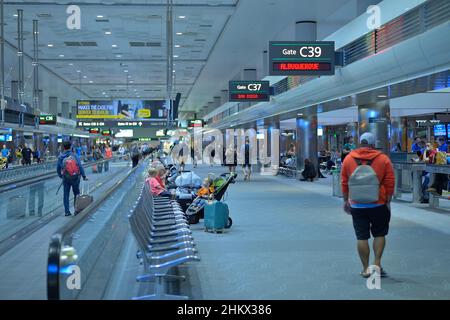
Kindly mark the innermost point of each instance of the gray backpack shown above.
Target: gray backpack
(364, 186)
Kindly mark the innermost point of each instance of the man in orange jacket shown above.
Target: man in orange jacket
(369, 216)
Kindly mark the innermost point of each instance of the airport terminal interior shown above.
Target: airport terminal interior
(225, 150)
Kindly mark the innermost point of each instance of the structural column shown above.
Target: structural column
(375, 118)
(306, 123)
(210, 108)
(217, 102)
(53, 105)
(306, 30)
(15, 90)
(396, 133)
(306, 138)
(74, 113)
(224, 96)
(265, 65)
(65, 110)
(40, 99)
(272, 125)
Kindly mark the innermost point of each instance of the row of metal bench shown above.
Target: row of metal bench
(165, 241)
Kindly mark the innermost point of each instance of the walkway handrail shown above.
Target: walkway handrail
(47, 175)
(57, 240)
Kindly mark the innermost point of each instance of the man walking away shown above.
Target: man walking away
(69, 169)
(135, 155)
(26, 155)
(367, 186)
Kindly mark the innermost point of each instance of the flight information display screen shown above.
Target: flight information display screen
(440, 130)
(296, 58)
(49, 119)
(244, 91)
(122, 109)
(195, 123)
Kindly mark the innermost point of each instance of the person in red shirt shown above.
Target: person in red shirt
(108, 156)
(369, 217)
(156, 187)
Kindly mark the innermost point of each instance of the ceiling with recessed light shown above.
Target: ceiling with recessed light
(120, 50)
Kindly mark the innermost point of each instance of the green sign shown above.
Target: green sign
(49, 119)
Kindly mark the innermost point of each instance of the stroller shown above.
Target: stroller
(3, 163)
(196, 211)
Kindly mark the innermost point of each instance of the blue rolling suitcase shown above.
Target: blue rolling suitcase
(216, 216)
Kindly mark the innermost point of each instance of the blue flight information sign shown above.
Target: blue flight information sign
(440, 130)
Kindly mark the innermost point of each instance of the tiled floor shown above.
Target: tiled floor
(292, 240)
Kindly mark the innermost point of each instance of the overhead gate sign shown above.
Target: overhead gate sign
(296, 58)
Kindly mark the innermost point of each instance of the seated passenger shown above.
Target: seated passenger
(156, 188)
(440, 179)
(309, 172)
(161, 176)
(207, 187)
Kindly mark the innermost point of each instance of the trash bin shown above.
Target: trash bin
(337, 187)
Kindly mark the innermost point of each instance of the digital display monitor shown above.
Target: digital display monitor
(161, 133)
(122, 109)
(440, 130)
(5, 137)
(94, 130)
(195, 123)
(296, 58)
(125, 133)
(49, 119)
(242, 91)
(448, 130)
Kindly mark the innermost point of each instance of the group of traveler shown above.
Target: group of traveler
(367, 184)
(432, 154)
(231, 159)
(24, 155)
(157, 180)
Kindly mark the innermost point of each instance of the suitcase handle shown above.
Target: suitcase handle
(88, 188)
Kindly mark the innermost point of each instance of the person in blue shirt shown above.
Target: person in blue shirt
(5, 154)
(442, 145)
(70, 170)
(416, 145)
(78, 150)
